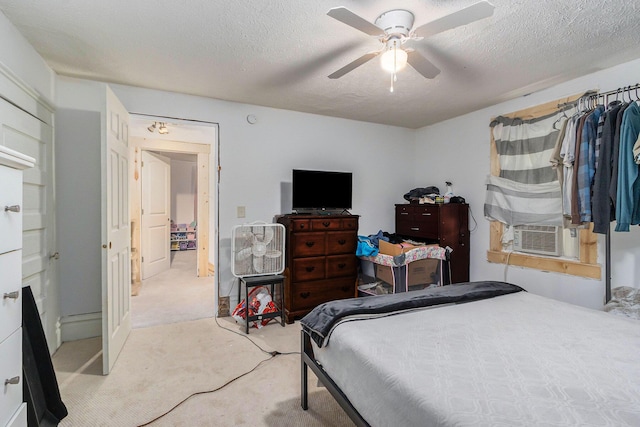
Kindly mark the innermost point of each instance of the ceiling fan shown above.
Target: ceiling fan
(395, 27)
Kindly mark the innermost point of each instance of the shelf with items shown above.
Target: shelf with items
(183, 237)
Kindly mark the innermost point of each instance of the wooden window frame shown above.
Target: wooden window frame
(586, 265)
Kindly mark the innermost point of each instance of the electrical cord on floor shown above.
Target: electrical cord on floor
(272, 355)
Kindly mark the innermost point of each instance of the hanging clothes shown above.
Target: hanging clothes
(568, 153)
(575, 204)
(602, 208)
(628, 191)
(587, 164)
(613, 187)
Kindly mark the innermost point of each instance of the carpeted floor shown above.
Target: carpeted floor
(162, 365)
(177, 349)
(175, 295)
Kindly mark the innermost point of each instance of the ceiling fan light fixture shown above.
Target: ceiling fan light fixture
(393, 59)
(163, 129)
(152, 128)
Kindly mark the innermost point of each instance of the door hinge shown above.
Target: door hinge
(141, 164)
(142, 211)
(142, 259)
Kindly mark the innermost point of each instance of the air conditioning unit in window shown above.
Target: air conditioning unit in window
(538, 239)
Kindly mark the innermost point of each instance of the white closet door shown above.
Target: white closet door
(156, 214)
(25, 133)
(116, 289)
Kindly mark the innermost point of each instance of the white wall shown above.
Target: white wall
(183, 191)
(256, 160)
(457, 150)
(17, 55)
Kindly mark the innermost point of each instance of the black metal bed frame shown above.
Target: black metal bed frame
(308, 360)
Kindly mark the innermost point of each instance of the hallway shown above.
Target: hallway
(176, 295)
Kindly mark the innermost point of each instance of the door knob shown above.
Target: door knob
(13, 208)
(11, 295)
(14, 380)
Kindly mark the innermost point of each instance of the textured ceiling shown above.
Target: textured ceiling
(279, 53)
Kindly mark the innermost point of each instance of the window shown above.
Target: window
(586, 263)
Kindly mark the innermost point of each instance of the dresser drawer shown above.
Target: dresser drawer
(350, 224)
(310, 294)
(300, 225)
(341, 242)
(10, 307)
(10, 202)
(326, 224)
(308, 269)
(341, 265)
(307, 244)
(415, 229)
(10, 367)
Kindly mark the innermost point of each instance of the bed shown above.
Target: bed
(480, 353)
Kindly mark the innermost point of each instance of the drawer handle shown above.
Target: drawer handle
(404, 213)
(310, 244)
(342, 241)
(342, 265)
(14, 208)
(426, 214)
(14, 380)
(326, 223)
(12, 295)
(415, 228)
(310, 269)
(305, 294)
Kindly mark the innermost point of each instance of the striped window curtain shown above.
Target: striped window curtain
(527, 190)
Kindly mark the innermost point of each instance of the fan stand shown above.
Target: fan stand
(254, 281)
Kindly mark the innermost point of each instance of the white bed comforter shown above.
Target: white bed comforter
(513, 360)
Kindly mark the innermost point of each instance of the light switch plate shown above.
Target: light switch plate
(240, 211)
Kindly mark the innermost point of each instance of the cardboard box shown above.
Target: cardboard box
(387, 248)
(423, 272)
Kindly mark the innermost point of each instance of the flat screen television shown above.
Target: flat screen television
(321, 191)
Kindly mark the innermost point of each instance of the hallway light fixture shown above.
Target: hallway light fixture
(160, 126)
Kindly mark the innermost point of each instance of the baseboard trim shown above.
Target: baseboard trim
(81, 326)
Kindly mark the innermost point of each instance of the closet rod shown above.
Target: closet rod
(619, 91)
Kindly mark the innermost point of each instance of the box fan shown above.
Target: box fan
(257, 249)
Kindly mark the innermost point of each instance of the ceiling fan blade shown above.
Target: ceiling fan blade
(353, 65)
(476, 11)
(422, 65)
(345, 16)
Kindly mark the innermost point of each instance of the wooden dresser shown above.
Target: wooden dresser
(445, 224)
(13, 411)
(321, 261)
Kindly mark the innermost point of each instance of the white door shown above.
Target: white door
(156, 214)
(116, 289)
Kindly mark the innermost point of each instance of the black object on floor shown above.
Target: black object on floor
(40, 386)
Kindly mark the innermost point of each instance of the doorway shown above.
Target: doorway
(186, 290)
